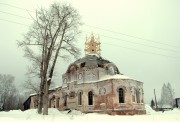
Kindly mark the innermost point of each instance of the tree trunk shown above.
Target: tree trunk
(45, 111)
(40, 102)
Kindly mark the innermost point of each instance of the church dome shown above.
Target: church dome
(93, 58)
(93, 61)
(92, 67)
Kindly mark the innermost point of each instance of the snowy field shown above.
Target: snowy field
(75, 116)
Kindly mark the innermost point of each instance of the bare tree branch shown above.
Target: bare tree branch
(54, 30)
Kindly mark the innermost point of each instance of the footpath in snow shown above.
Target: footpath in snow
(76, 116)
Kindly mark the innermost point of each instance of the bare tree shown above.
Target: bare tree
(167, 95)
(31, 85)
(8, 93)
(53, 32)
(170, 95)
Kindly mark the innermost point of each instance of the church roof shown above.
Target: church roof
(92, 58)
(91, 61)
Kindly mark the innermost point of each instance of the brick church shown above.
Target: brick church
(94, 84)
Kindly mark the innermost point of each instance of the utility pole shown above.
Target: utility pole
(155, 99)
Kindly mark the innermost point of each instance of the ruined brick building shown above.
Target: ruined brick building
(94, 84)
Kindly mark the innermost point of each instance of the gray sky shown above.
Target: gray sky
(140, 36)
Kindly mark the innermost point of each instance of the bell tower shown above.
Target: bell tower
(92, 46)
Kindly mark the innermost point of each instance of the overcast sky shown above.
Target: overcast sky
(140, 36)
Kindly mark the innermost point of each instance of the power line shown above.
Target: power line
(143, 44)
(148, 40)
(139, 43)
(14, 22)
(107, 43)
(142, 51)
(15, 15)
(17, 7)
(108, 36)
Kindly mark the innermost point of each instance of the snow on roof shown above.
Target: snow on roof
(107, 77)
(48, 79)
(164, 106)
(33, 94)
(54, 88)
(117, 76)
(94, 54)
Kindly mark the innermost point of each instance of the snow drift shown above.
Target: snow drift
(76, 116)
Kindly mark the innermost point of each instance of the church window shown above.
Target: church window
(73, 75)
(111, 69)
(80, 76)
(83, 64)
(49, 103)
(57, 102)
(65, 100)
(102, 91)
(72, 94)
(65, 80)
(137, 96)
(80, 98)
(121, 95)
(100, 65)
(133, 95)
(90, 98)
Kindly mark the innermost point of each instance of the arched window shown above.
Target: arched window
(137, 96)
(133, 94)
(49, 103)
(65, 100)
(121, 95)
(111, 70)
(90, 98)
(80, 98)
(57, 102)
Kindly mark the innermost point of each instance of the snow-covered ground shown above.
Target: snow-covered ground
(75, 116)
